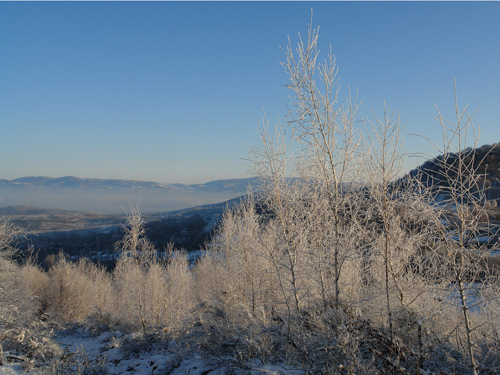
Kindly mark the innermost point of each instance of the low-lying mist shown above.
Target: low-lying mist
(113, 202)
(115, 196)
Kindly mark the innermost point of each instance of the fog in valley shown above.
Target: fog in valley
(116, 196)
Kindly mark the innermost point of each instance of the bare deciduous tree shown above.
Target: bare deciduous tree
(462, 207)
(323, 135)
(383, 166)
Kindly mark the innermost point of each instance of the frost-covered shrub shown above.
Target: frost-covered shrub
(35, 281)
(149, 291)
(74, 291)
(19, 303)
(15, 306)
(179, 302)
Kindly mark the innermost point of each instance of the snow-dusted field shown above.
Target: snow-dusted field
(119, 353)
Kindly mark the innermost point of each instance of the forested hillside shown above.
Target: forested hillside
(485, 160)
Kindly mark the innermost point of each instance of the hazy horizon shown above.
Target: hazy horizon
(131, 179)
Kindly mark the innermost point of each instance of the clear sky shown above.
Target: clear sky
(173, 91)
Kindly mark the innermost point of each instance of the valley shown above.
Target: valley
(91, 235)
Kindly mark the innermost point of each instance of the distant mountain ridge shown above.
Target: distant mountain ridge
(71, 182)
(114, 196)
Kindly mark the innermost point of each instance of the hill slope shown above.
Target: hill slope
(486, 160)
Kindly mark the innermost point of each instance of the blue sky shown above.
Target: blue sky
(173, 91)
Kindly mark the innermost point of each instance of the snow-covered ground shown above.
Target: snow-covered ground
(119, 353)
(11, 369)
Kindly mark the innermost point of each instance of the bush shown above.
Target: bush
(76, 291)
